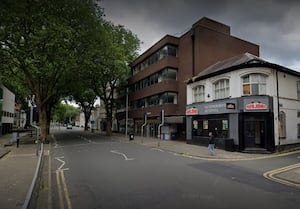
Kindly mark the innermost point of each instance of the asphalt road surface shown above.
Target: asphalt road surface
(96, 172)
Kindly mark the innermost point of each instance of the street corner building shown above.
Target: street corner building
(250, 105)
(158, 76)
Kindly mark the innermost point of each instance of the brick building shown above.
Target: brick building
(159, 74)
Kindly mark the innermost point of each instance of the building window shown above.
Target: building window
(282, 125)
(198, 93)
(168, 74)
(165, 74)
(221, 89)
(298, 114)
(167, 50)
(169, 98)
(254, 84)
(298, 130)
(298, 90)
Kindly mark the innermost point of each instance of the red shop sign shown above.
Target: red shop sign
(192, 111)
(256, 106)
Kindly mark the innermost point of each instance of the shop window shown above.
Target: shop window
(195, 124)
(198, 93)
(224, 124)
(282, 125)
(254, 84)
(219, 126)
(221, 89)
(205, 124)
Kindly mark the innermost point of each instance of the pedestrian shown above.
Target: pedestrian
(18, 139)
(211, 143)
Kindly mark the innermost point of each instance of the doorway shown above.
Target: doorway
(254, 132)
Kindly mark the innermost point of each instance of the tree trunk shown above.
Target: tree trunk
(109, 122)
(43, 122)
(87, 118)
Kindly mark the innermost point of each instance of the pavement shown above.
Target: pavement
(17, 165)
(17, 168)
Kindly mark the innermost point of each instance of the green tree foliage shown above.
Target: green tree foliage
(59, 48)
(65, 113)
(38, 41)
(113, 69)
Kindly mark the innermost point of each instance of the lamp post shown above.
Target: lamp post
(126, 118)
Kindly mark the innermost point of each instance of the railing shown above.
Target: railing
(37, 140)
(34, 182)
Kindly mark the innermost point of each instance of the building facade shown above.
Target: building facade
(247, 101)
(7, 110)
(158, 75)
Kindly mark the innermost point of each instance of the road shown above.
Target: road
(96, 172)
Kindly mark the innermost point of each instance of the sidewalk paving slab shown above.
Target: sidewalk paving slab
(17, 167)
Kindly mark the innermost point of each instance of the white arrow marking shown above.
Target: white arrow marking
(119, 153)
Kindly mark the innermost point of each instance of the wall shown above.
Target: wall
(8, 105)
(290, 105)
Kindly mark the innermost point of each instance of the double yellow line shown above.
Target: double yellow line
(272, 175)
(62, 190)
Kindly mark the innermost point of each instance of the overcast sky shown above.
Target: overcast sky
(272, 24)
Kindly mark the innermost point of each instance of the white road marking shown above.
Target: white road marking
(62, 162)
(158, 149)
(119, 153)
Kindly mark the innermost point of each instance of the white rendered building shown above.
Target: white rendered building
(249, 104)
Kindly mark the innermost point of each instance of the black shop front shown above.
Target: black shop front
(246, 121)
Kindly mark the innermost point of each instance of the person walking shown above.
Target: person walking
(211, 143)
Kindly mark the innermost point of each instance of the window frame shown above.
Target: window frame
(221, 90)
(198, 93)
(251, 83)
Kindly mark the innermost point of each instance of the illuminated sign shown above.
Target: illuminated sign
(192, 111)
(256, 106)
(230, 106)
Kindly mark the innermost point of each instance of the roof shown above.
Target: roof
(245, 60)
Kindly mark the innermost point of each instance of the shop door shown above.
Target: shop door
(254, 134)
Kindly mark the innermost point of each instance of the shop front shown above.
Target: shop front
(256, 122)
(245, 123)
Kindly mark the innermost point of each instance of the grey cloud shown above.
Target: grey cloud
(273, 24)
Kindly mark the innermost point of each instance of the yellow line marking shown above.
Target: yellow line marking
(271, 175)
(67, 196)
(60, 196)
(63, 192)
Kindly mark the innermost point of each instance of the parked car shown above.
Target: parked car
(69, 126)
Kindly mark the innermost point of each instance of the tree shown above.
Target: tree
(38, 41)
(65, 113)
(86, 100)
(106, 74)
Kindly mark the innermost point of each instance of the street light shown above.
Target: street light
(126, 119)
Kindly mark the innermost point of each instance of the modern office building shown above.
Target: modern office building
(248, 103)
(159, 74)
(7, 110)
